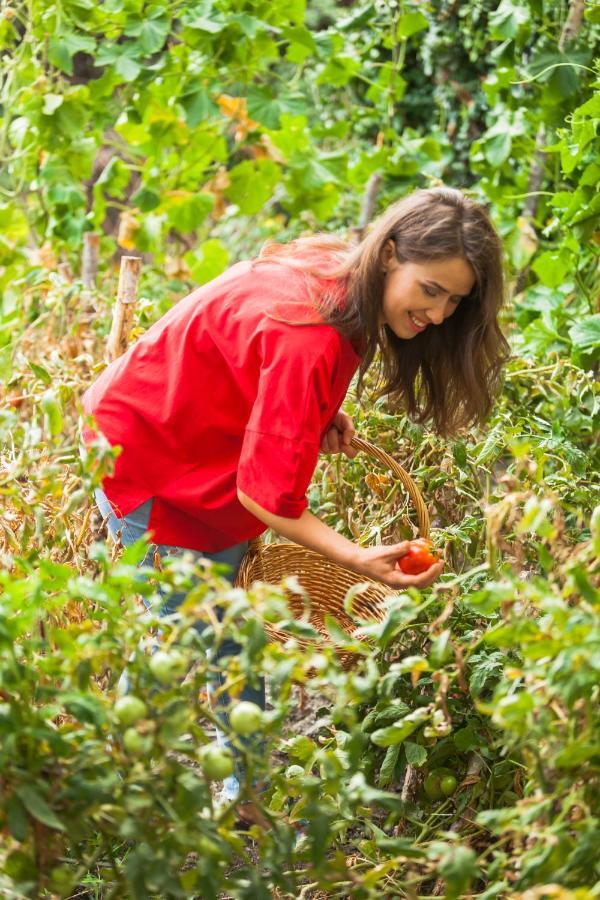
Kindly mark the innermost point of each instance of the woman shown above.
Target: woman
(221, 408)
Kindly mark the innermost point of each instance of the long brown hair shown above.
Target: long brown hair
(449, 374)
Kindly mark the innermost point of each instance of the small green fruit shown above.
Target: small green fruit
(448, 785)
(167, 665)
(246, 718)
(432, 787)
(216, 762)
(135, 743)
(130, 709)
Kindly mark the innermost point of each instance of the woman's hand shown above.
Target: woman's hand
(378, 563)
(337, 438)
(381, 564)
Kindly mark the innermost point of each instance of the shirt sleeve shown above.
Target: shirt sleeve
(292, 409)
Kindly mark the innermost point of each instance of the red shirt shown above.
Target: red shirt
(216, 396)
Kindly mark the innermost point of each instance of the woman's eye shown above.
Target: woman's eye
(431, 292)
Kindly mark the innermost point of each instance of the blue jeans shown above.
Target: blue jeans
(131, 528)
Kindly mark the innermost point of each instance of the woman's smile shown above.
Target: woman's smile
(418, 324)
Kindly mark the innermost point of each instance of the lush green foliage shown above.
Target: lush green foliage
(189, 133)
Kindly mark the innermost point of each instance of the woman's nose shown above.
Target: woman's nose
(438, 313)
(436, 316)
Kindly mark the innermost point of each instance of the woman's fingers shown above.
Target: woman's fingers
(336, 441)
(327, 445)
(423, 580)
(397, 550)
(333, 438)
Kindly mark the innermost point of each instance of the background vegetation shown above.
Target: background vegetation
(188, 133)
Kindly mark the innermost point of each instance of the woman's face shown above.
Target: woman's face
(417, 296)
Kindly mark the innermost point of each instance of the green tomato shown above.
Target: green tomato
(167, 665)
(293, 772)
(246, 718)
(130, 709)
(135, 743)
(432, 787)
(448, 785)
(216, 762)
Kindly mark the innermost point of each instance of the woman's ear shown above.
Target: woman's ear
(388, 251)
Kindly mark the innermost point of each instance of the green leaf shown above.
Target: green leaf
(187, 210)
(552, 267)
(300, 748)
(575, 754)
(507, 19)
(459, 452)
(416, 754)
(37, 806)
(51, 103)
(267, 108)
(395, 734)
(146, 199)
(115, 177)
(386, 773)
(497, 148)
(63, 47)
(485, 668)
(339, 70)
(410, 23)
(588, 592)
(202, 23)
(252, 183)
(198, 107)
(466, 739)
(52, 412)
(209, 260)
(151, 31)
(42, 373)
(85, 708)
(458, 867)
(540, 338)
(17, 818)
(127, 68)
(585, 335)
(301, 44)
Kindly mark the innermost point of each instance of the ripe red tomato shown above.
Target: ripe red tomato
(420, 557)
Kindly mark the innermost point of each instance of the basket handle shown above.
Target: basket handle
(402, 476)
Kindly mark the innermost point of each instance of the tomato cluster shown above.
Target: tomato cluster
(440, 783)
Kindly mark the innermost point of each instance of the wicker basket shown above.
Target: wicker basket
(325, 582)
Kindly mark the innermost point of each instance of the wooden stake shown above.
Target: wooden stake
(368, 206)
(573, 23)
(65, 272)
(124, 306)
(89, 261)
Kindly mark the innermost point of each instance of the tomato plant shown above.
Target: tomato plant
(189, 137)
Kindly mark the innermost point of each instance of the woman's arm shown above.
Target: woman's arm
(378, 563)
